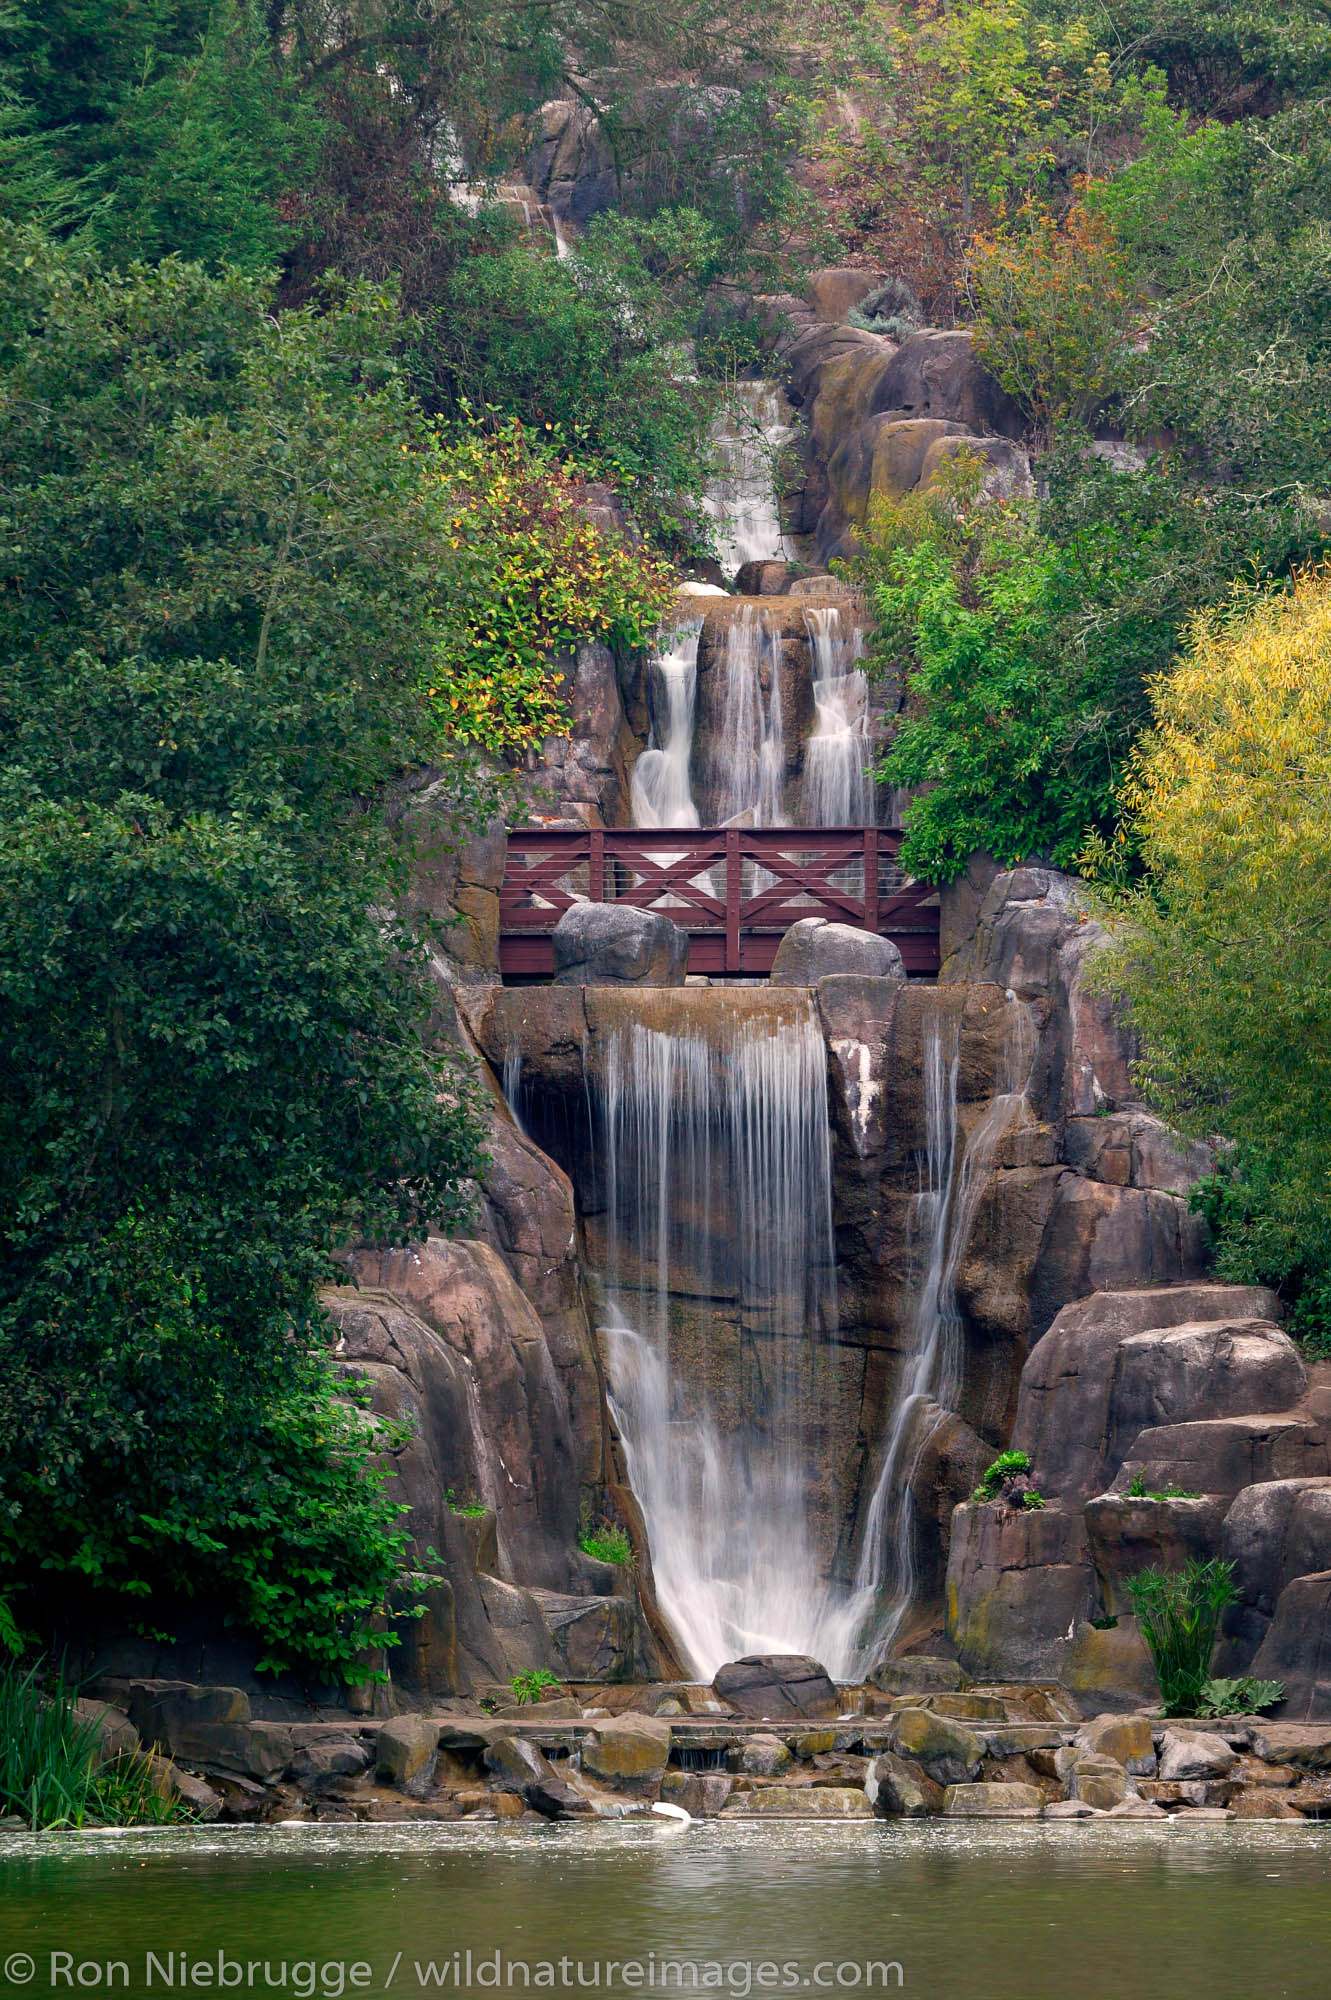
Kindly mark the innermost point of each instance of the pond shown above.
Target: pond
(998, 1912)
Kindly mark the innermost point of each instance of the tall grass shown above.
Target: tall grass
(51, 1769)
(1179, 1613)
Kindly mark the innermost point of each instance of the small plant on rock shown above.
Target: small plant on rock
(532, 1686)
(608, 1543)
(1243, 1696)
(1139, 1490)
(1008, 1480)
(1179, 1612)
(472, 1509)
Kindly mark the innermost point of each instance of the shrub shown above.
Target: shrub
(531, 1686)
(1008, 1481)
(1222, 955)
(1179, 1613)
(51, 1771)
(609, 1544)
(1244, 1696)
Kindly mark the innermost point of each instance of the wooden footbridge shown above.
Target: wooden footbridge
(735, 890)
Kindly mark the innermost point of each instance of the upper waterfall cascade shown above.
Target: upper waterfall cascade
(742, 500)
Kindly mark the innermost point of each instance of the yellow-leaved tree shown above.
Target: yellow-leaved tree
(1223, 954)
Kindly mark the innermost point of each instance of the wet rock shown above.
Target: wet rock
(702, 1793)
(522, 1767)
(814, 947)
(1100, 1781)
(772, 1687)
(1137, 1809)
(900, 1790)
(915, 1673)
(1018, 1583)
(1071, 1809)
(1263, 1805)
(1224, 1454)
(594, 1638)
(1110, 1667)
(1194, 1753)
(763, 579)
(614, 944)
(406, 1749)
(316, 1764)
(764, 1756)
(203, 1800)
(1297, 1649)
(628, 1750)
(799, 1802)
(993, 1802)
(1125, 1738)
(947, 1751)
(1117, 1361)
(813, 1742)
(181, 1719)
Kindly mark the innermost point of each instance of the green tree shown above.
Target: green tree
(224, 544)
(1026, 636)
(1223, 954)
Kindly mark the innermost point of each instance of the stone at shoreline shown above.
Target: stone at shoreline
(177, 1716)
(1194, 1754)
(116, 1734)
(1071, 1809)
(764, 1756)
(200, 1797)
(1109, 1667)
(702, 1793)
(1125, 1738)
(1305, 1745)
(993, 1802)
(406, 1749)
(520, 1766)
(916, 1673)
(628, 1750)
(613, 944)
(799, 1802)
(1100, 1781)
(316, 1764)
(898, 1790)
(774, 1686)
(1297, 1649)
(815, 948)
(949, 1752)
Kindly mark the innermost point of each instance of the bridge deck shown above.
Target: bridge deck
(735, 890)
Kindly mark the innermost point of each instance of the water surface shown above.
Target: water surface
(1004, 1912)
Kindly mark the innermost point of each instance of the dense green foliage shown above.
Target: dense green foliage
(227, 544)
(1179, 1612)
(52, 1771)
(1223, 956)
(1028, 633)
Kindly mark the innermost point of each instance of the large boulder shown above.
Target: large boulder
(1297, 1648)
(1018, 1584)
(1116, 1362)
(833, 293)
(774, 1686)
(945, 1750)
(1274, 1532)
(628, 1751)
(815, 947)
(616, 944)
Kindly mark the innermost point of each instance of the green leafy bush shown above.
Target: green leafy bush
(1244, 1696)
(608, 1543)
(51, 1768)
(530, 1687)
(1179, 1613)
(1008, 1480)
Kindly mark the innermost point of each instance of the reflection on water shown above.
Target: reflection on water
(1004, 1912)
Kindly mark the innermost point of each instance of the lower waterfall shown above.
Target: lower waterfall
(718, 1189)
(718, 1320)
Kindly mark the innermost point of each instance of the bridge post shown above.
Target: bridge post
(871, 879)
(733, 884)
(596, 864)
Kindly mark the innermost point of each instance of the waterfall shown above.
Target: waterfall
(751, 753)
(742, 501)
(838, 787)
(719, 1306)
(660, 788)
(955, 1168)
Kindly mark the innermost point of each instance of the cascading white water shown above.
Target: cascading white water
(838, 788)
(661, 790)
(943, 1213)
(748, 438)
(751, 754)
(717, 1158)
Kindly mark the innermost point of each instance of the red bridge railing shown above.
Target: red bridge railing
(735, 890)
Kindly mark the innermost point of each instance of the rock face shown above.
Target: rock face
(614, 944)
(773, 1687)
(884, 419)
(582, 778)
(815, 947)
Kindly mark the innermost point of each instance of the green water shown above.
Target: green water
(984, 1913)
